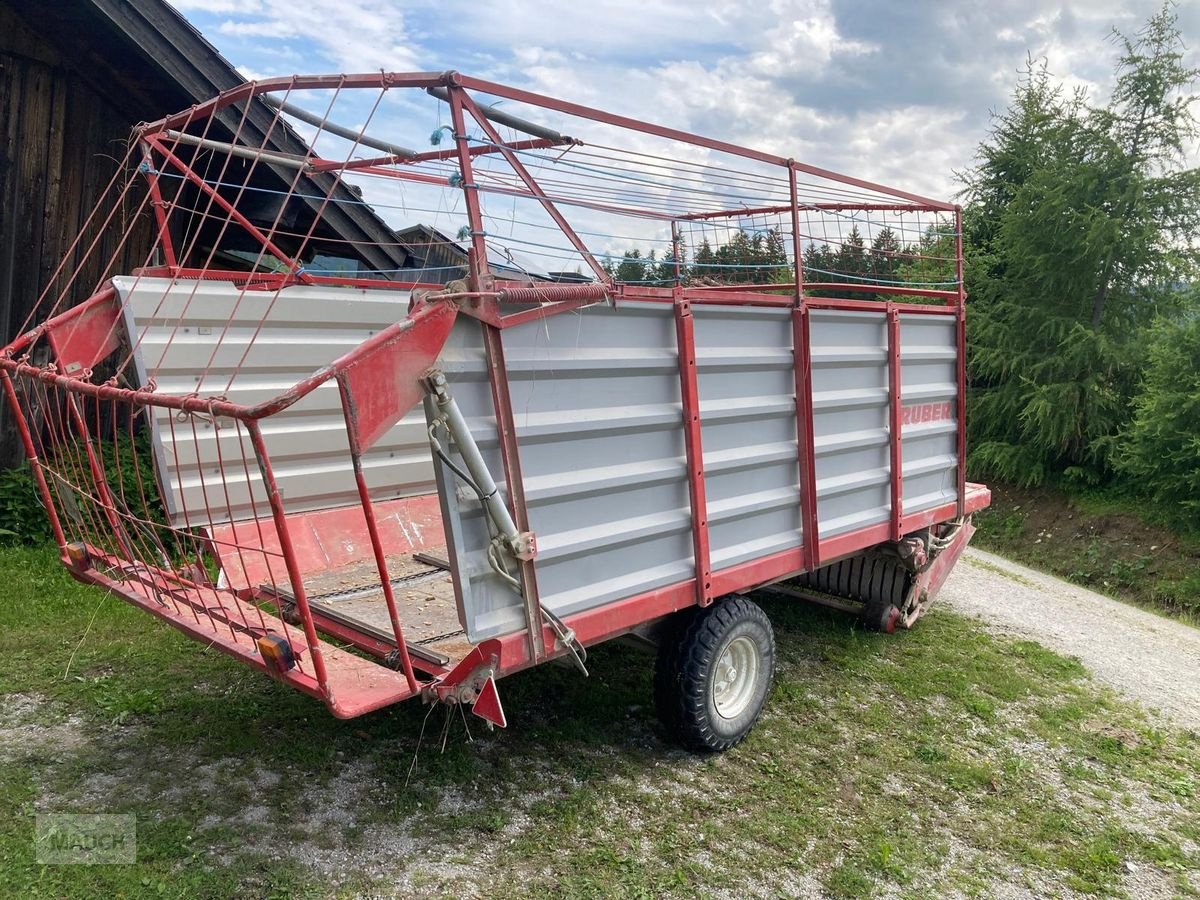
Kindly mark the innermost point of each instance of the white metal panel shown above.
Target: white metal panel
(747, 387)
(596, 403)
(929, 392)
(850, 419)
(214, 338)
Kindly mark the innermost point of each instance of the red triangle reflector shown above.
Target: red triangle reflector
(487, 704)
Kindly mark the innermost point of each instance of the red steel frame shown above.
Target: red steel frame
(420, 337)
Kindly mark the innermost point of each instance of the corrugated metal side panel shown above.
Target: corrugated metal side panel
(488, 606)
(748, 428)
(850, 419)
(597, 410)
(596, 403)
(929, 388)
(302, 328)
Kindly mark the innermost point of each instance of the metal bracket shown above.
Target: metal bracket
(565, 638)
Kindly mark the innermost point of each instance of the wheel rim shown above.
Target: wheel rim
(736, 677)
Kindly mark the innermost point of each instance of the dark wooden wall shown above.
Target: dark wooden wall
(60, 142)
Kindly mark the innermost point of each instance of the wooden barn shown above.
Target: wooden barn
(75, 77)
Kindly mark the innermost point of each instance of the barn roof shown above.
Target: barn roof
(147, 60)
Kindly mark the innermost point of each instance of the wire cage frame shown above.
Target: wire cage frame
(169, 494)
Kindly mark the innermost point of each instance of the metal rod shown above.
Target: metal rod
(895, 422)
(534, 188)
(503, 118)
(290, 561)
(805, 441)
(476, 467)
(585, 112)
(961, 325)
(510, 458)
(340, 130)
(268, 156)
(368, 508)
(293, 265)
(689, 393)
(35, 463)
(797, 250)
(160, 206)
(477, 260)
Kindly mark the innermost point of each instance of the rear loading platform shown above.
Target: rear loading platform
(353, 597)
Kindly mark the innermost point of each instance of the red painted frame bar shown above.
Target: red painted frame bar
(296, 268)
(530, 183)
(506, 431)
(806, 457)
(622, 616)
(685, 332)
(288, 548)
(824, 207)
(364, 499)
(291, 83)
(159, 205)
(332, 165)
(477, 260)
(895, 423)
(962, 365)
(596, 115)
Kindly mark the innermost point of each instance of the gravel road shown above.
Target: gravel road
(1149, 658)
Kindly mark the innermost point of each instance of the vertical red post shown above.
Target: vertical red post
(368, 508)
(895, 420)
(797, 249)
(160, 206)
(506, 430)
(962, 363)
(478, 257)
(289, 552)
(676, 244)
(805, 441)
(685, 332)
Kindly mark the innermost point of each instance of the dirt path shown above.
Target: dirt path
(1146, 657)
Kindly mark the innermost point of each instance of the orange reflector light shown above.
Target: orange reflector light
(276, 652)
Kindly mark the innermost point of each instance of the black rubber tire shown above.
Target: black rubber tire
(687, 666)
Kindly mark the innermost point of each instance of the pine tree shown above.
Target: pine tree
(885, 254)
(632, 268)
(1078, 220)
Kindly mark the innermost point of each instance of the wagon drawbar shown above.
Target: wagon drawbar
(380, 484)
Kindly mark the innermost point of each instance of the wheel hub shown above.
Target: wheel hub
(736, 677)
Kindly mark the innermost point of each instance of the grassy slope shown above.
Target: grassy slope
(937, 758)
(1109, 545)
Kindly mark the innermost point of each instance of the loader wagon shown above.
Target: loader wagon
(530, 435)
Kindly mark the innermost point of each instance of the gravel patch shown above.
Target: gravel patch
(1148, 658)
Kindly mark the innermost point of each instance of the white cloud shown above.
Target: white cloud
(890, 92)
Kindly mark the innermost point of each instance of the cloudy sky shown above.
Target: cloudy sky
(895, 92)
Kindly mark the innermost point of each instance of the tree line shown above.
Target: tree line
(760, 257)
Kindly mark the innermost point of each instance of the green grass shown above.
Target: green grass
(933, 760)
